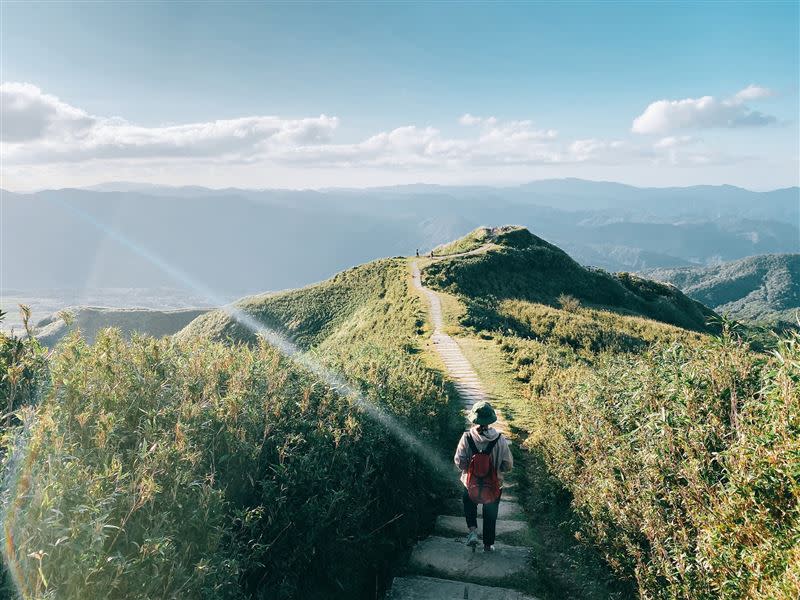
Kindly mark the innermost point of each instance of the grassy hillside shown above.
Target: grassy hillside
(522, 266)
(675, 448)
(760, 289)
(472, 241)
(90, 320)
(191, 468)
(312, 314)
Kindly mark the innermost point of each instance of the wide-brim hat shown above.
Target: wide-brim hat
(482, 413)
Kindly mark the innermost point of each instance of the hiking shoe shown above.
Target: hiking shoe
(488, 548)
(472, 538)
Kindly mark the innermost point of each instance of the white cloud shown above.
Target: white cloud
(688, 151)
(470, 120)
(38, 127)
(674, 141)
(513, 142)
(664, 116)
(30, 115)
(753, 92)
(41, 129)
(42, 132)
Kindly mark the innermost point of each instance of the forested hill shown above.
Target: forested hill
(762, 289)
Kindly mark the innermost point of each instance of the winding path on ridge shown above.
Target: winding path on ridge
(441, 567)
(464, 378)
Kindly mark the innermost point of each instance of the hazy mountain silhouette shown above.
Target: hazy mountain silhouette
(240, 241)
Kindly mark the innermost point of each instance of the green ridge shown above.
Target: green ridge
(522, 266)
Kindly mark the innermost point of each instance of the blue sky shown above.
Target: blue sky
(234, 94)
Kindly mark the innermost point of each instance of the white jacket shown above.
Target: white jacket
(501, 453)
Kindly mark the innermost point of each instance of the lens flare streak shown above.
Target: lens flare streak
(276, 340)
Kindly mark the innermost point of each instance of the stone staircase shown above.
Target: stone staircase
(441, 567)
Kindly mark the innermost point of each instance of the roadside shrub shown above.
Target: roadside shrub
(568, 303)
(22, 369)
(683, 464)
(164, 470)
(23, 373)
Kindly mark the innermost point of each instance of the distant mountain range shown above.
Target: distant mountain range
(236, 241)
(762, 289)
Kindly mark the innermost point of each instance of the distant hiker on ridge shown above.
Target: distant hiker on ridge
(482, 457)
(417, 252)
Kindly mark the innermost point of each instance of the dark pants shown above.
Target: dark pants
(489, 516)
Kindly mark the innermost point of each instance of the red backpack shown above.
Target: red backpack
(483, 486)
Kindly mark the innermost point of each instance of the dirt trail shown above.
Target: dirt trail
(441, 567)
(480, 250)
(462, 374)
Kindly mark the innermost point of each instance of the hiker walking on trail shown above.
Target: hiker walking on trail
(482, 457)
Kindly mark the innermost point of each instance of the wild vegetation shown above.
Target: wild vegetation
(678, 449)
(22, 361)
(191, 468)
(683, 464)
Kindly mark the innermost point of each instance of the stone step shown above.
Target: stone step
(416, 587)
(509, 509)
(450, 558)
(506, 530)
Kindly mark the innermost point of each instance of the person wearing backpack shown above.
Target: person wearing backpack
(482, 456)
